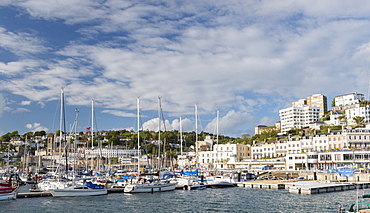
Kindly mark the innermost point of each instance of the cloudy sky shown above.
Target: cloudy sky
(247, 59)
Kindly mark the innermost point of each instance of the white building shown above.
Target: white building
(223, 154)
(334, 118)
(357, 111)
(110, 152)
(359, 159)
(349, 99)
(356, 138)
(298, 117)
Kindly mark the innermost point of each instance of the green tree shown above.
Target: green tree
(359, 120)
(40, 133)
(28, 135)
(343, 119)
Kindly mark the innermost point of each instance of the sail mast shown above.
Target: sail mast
(75, 141)
(92, 124)
(159, 133)
(196, 135)
(180, 136)
(92, 134)
(218, 111)
(138, 135)
(61, 119)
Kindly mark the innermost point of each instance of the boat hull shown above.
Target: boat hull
(221, 184)
(8, 195)
(195, 187)
(150, 188)
(78, 192)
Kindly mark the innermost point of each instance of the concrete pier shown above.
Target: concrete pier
(325, 187)
(305, 187)
(259, 185)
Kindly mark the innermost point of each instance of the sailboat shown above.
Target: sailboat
(79, 190)
(144, 185)
(73, 188)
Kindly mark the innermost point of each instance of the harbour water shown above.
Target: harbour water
(209, 200)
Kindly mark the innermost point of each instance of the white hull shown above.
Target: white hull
(220, 184)
(195, 187)
(9, 196)
(78, 192)
(150, 187)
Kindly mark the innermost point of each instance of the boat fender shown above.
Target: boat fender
(185, 187)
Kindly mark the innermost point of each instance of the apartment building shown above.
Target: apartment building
(111, 152)
(347, 101)
(223, 154)
(357, 111)
(356, 138)
(298, 117)
(316, 100)
(310, 143)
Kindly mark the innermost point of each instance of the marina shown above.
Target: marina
(301, 187)
(234, 199)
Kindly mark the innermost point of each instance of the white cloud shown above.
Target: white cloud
(18, 67)
(25, 103)
(20, 110)
(20, 43)
(187, 125)
(36, 127)
(233, 123)
(240, 56)
(2, 105)
(119, 113)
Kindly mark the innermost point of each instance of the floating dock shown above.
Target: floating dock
(259, 185)
(306, 187)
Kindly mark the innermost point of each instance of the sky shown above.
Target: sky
(244, 59)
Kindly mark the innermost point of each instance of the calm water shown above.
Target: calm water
(208, 200)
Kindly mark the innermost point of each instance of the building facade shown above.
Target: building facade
(343, 102)
(298, 117)
(223, 154)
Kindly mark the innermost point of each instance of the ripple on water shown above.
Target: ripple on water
(208, 200)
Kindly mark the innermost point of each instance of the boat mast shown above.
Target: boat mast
(62, 127)
(92, 133)
(92, 124)
(138, 135)
(61, 118)
(196, 135)
(159, 133)
(218, 112)
(25, 156)
(75, 141)
(180, 136)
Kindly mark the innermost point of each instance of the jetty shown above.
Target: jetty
(305, 187)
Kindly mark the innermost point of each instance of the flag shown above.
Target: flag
(88, 128)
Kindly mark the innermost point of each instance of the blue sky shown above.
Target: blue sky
(246, 58)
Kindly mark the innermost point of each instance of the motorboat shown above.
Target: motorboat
(7, 191)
